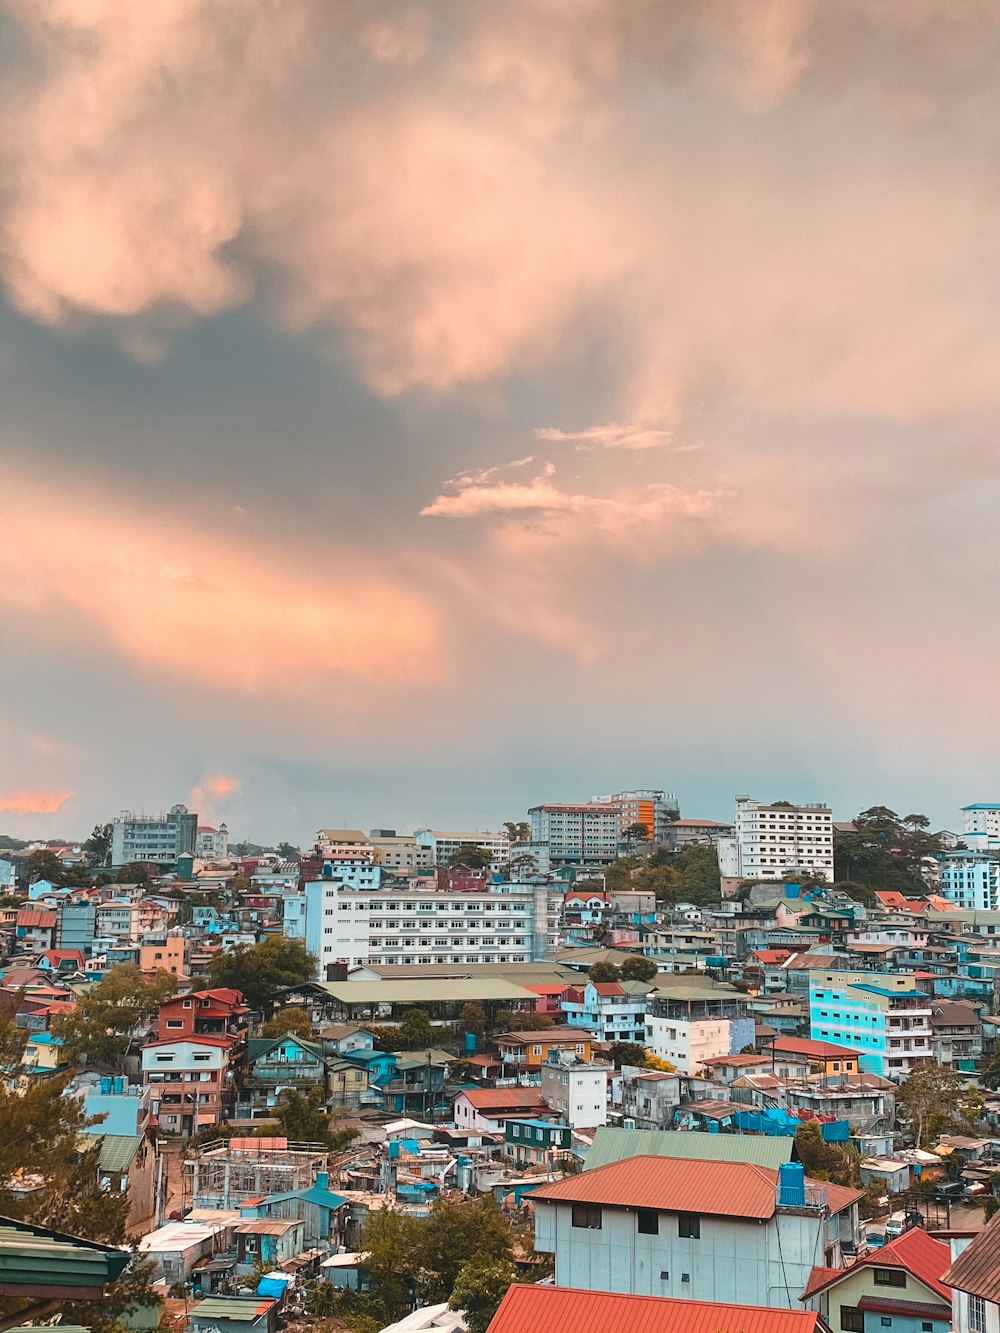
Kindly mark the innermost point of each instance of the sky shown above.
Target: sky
(414, 412)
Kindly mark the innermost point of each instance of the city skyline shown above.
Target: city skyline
(410, 409)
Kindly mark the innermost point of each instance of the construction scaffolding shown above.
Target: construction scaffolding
(226, 1174)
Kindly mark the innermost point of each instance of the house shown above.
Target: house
(901, 1281)
(275, 1064)
(35, 929)
(974, 1281)
(271, 1241)
(323, 1214)
(611, 1010)
(700, 1230)
(957, 1033)
(487, 1110)
(62, 960)
(42, 1055)
(821, 1057)
(649, 1098)
(690, 1023)
(577, 1090)
(127, 1165)
(189, 1078)
(529, 1050)
(347, 1083)
(205, 1013)
(174, 1249)
(342, 1038)
(532, 1141)
(164, 953)
(235, 1314)
(560, 1310)
(615, 1145)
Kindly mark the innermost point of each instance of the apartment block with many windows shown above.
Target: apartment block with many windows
(772, 841)
(883, 1016)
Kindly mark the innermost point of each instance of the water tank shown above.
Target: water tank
(105, 1085)
(792, 889)
(119, 1085)
(791, 1185)
(470, 1043)
(393, 1149)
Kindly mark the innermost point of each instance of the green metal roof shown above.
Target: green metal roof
(118, 1151)
(612, 1145)
(37, 1261)
(246, 1308)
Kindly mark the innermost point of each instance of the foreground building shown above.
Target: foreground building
(898, 1286)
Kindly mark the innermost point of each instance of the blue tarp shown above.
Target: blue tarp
(780, 1122)
(273, 1284)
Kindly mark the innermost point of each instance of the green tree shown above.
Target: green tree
(822, 1160)
(638, 968)
(479, 1289)
(416, 1032)
(287, 852)
(472, 1018)
(519, 831)
(302, 1115)
(601, 972)
(98, 846)
(931, 1101)
(136, 872)
(637, 832)
(528, 1020)
(885, 852)
(261, 970)
(44, 864)
(101, 1027)
(391, 1242)
(456, 1231)
(291, 1020)
(469, 857)
(627, 1053)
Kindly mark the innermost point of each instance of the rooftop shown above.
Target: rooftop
(915, 1251)
(977, 1268)
(538, 1309)
(615, 1145)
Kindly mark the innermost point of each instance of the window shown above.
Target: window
(885, 1321)
(689, 1226)
(977, 1314)
(648, 1223)
(587, 1215)
(890, 1277)
(852, 1320)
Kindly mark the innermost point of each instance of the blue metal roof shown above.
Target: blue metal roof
(885, 990)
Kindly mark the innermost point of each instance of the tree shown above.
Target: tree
(479, 1289)
(456, 1231)
(101, 1027)
(292, 1020)
(302, 1115)
(469, 857)
(930, 1099)
(527, 1020)
(98, 845)
(472, 1018)
(602, 972)
(637, 832)
(822, 1160)
(44, 864)
(261, 970)
(415, 1032)
(519, 831)
(638, 968)
(390, 1242)
(136, 872)
(884, 851)
(628, 1053)
(287, 852)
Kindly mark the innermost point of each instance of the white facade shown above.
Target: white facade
(688, 1043)
(212, 843)
(442, 845)
(347, 846)
(981, 827)
(585, 834)
(399, 851)
(578, 1091)
(971, 880)
(772, 841)
(160, 838)
(503, 923)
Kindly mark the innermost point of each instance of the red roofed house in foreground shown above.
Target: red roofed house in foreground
(697, 1230)
(901, 1282)
(562, 1310)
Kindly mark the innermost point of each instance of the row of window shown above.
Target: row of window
(589, 1216)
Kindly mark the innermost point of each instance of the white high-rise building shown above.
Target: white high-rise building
(972, 880)
(981, 827)
(443, 845)
(157, 838)
(582, 835)
(772, 841)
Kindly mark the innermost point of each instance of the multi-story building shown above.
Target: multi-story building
(650, 806)
(897, 1286)
(612, 1010)
(212, 843)
(885, 1017)
(772, 841)
(345, 846)
(701, 1230)
(689, 1024)
(157, 838)
(971, 879)
(189, 1078)
(972, 1278)
(443, 845)
(981, 826)
(400, 851)
(577, 1089)
(204, 1013)
(575, 835)
(492, 923)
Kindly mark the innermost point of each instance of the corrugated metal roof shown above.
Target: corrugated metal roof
(35, 1258)
(446, 990)
(614, 1145)
(914, 1309)
(118, 1151)
(977, 1268)
(534, 1309)
(232, 1307)
(919, 1254)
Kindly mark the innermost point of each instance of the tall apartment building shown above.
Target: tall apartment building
(582, 835)
(159, 838)
(399, 851)
(972, 880)
(646, 805)
(882, 1016)
(772, 841)
(981, 826)
(501, 923)
(443, 845)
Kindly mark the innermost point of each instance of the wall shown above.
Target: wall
(861, 1282)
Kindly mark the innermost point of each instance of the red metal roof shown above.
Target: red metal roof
(824, 1050)
(486, 1099)
(35, 916)
(977, 1268)
(919, 1254)
(534, 1309)
(914, 1309)
(674, 1185)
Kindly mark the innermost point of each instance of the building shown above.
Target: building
(531, 1142)
(190, 1081)
(957, 1033)
(577, 1090)
(527, 1051)
(699, 1230)
(883, 1016)
(698, 832)
(442, 846)
(656, 809)
(345, 846)
(559, 1310)
(971, 880)
(487, 1110)
(974, 1281)
(203, 1013)
(164, 953)
(981, 826)
(156, 838)
(897, 1286)
(491, 923)
(212, 844)
(772, 841)
(575, 835)
(398, 851)
(689, 1024)
(611, 1010)
(275, 1064)
(820, 1057)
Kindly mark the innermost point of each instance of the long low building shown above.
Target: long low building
(353, 997)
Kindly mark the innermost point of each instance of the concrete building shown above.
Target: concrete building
(882, 1016)
(971, 880)
(494, 923)
(897, 1286)
(577, 1089)
(400, 851)
(688, 1025)
(772, 841)
(974, 1282)
(157, 838)
(442, 846)
(345, 846)
(981, 826)
(575, 835)
(612, 1010)
(212, 843)
(646, 805)
(701, 1230)
(189, 1080)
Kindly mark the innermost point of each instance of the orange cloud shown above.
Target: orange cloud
(189, 603)
(212, 789)
(44, 802)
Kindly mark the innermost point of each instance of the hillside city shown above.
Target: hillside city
(608, 1065)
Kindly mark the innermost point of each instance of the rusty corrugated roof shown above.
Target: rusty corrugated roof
(534, 1309)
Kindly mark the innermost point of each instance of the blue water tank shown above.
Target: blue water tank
(792, 1185)
(470, 1043)
(393, 1148)
(792, 889)
(105, 1085)
(119, 1085)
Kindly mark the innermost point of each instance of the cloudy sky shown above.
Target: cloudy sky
(414, 412)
